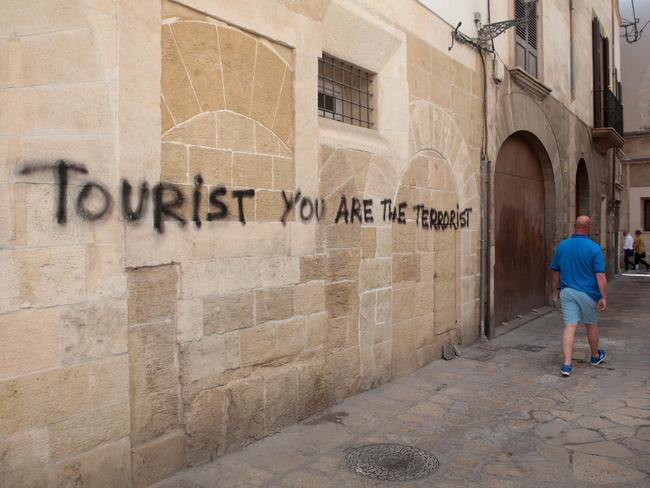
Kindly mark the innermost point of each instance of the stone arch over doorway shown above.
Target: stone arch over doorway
(582, 190)
(519, 112)
(435, 136)
(524, 226)
(425, 267)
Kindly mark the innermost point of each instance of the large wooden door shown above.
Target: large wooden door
(519, 208)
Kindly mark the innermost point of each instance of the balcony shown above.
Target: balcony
(608, 121)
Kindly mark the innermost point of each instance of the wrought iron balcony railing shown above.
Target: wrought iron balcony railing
(608, 111)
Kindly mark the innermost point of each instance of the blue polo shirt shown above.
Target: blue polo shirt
(578, 259)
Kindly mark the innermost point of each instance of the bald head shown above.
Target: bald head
(583, 225)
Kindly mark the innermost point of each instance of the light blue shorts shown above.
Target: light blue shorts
(577, 306)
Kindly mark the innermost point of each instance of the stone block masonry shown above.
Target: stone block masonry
(190, 264)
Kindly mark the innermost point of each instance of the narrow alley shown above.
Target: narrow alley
(499, 416)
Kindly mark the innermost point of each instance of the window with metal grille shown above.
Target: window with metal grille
(344, 92)
(646, 214)
(526, 37)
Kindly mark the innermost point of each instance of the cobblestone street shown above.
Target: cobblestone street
(499, 416)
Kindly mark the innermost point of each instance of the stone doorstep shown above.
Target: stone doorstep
(536, 313)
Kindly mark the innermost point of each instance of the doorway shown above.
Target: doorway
(520, 230)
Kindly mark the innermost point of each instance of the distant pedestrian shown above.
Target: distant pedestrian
(581, 285)
(639, 251)
(628, 250)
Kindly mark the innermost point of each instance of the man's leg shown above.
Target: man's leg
(628, 256)
(593, 338)
(567, 341)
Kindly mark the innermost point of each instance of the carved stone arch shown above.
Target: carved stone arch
(227, 110)
(518, 112)
(439, 264)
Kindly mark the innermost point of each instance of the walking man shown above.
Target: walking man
(580, 282)
(628, 250)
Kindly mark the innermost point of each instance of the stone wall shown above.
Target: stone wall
(198, 284)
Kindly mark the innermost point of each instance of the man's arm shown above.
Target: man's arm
(556, 280)
(601, 278)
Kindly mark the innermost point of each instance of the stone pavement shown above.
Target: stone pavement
(499, 416)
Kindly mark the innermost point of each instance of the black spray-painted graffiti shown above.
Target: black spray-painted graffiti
(428, 218)
(168, 199)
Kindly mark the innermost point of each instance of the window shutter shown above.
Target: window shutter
(597, 46)
(526, 39)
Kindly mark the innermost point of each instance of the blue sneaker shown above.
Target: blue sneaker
(595, 361)
(566, 369)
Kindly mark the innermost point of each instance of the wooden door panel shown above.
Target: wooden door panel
(520, 257)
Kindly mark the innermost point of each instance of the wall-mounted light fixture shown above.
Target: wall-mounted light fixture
(487, 32)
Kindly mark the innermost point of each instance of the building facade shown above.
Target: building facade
(636, 164)
(222, 217)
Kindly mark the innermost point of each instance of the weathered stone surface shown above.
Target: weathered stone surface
(52, 276)
(203, 362)
(205, 425)
(245, 400)
(266, 142)
(269, 74)
(81, 432)
(598, 470)
(213, 165)
(274, 304)
(312, 388)
(152, 294)
(343, 373)
(154, 380)
(235, 132)
(284, 178)
(173, 163)
(158, 459)
(406, 268)
(24, 458)
(603, 448)
(291, 337)
(342, 264)
(105, 467)
(93, 331)
(238, 61)
(252, 171)
(176, 86)
(316, 329)
(56, 394)
(403, 304)
(313, 267)
(189, 320)
(280, 399)
(200, 131)
(31, 341)
(580, 436)
(310, 298)
(368, 242)
(198, 45)
(375, 273)
(269, 205)
(283, 122)
(227, 313)
(259, 344)
(341, 299)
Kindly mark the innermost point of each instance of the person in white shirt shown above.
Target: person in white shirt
(628, 249)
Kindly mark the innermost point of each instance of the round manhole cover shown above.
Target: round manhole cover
(392, 462)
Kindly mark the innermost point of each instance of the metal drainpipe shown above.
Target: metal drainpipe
(484, 292)
(485, 247)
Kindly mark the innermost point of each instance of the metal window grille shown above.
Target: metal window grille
(344, 92)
